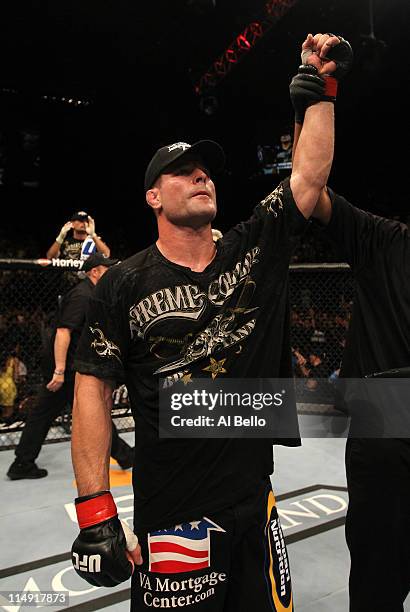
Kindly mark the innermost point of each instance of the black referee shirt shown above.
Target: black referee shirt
(378, 251)
(73, 313)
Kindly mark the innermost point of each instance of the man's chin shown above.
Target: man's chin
(195, 221)
(203, 217)
(200, 221)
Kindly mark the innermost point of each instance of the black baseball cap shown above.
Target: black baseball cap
(97, 259)
(210, 152)
(79, 216)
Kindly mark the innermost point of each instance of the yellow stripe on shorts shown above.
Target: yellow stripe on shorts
(279, 573)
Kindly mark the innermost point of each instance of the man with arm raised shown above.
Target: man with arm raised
(168, 314)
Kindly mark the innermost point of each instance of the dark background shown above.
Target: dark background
(134, 66)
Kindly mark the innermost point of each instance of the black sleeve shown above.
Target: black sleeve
(276, 222)
(73, 311)
(364, 239)
(105, 338)
(279, 211)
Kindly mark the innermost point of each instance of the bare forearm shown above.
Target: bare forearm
(313, 156)
(296, 134)
(323, 208)
(91, 434)
(53, 251)
(61, 344)
(101, 246)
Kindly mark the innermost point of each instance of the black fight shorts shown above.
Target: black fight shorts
(231, 561)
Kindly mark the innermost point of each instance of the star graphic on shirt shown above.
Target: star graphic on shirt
(187, 378)
(178, 528)
(215, 367)
(194, 524)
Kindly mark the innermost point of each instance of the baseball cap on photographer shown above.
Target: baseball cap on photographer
(97, 259)
(79, 216)
(210, 152)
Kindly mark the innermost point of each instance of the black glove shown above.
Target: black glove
(305, 87)
(99, 552)
(342, 55)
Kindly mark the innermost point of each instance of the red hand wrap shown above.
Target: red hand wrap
(330, 86)
(95, 510)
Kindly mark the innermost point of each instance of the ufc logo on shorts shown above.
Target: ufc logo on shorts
(90, 563)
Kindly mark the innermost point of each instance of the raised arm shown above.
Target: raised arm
(325, 58)
(313, 157)
(323, 209)
(100, 244)
(54, 250)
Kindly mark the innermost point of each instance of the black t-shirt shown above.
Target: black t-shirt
(378, 251)
(152, 319)
(72, 315)
(71, 248)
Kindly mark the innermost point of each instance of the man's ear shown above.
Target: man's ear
(153, 198)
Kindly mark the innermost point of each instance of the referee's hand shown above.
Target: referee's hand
(56, 382)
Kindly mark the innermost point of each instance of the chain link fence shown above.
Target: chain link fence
(30, 291)
(320, 298)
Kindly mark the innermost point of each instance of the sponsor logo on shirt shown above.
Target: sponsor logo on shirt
(104, 347)
(188, 301)
(274, 201)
